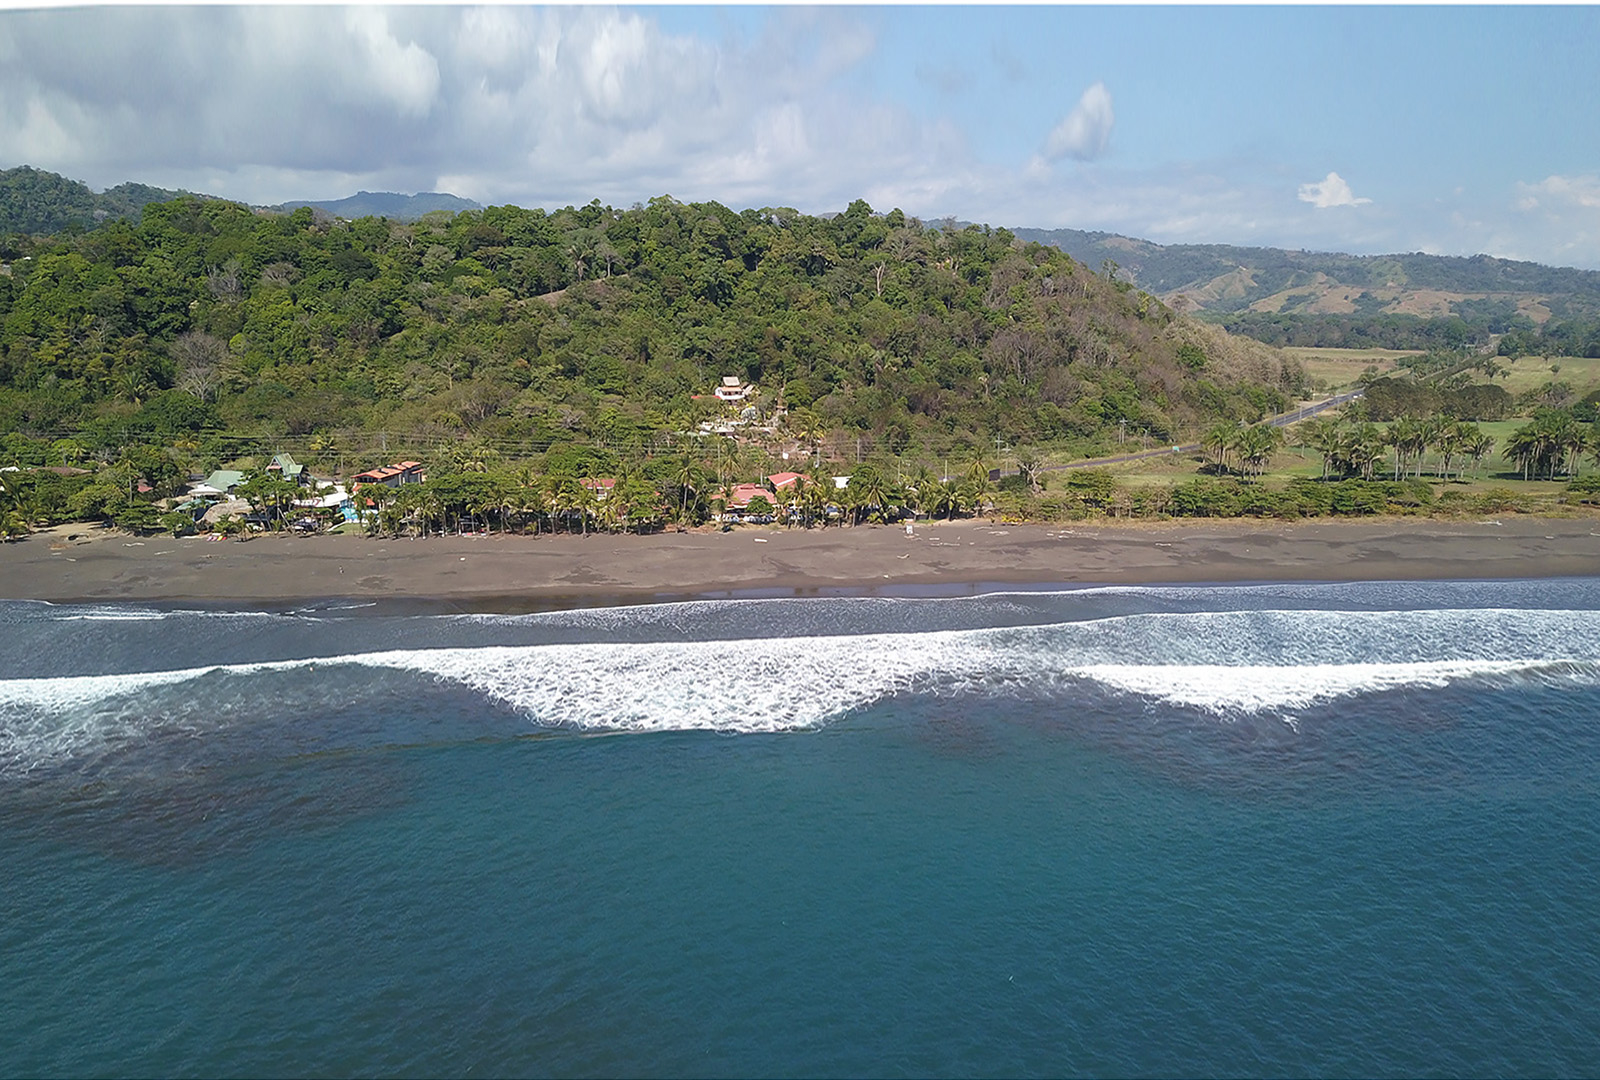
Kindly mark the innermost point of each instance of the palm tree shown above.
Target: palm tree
(1477, 447)
(977, 486)
(1429, 431)
(1323, 437)
(814, 500)
(1219, 439)
(1255, 446)
(1360, 449)
(945, 498)
(1523, 448)
(14, 518)
(1452, 440)
(870, 491)
(1398, 437)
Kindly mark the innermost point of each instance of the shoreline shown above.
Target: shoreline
(513, 574)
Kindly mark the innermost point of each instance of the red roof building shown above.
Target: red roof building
(743, 495)
(402, 472)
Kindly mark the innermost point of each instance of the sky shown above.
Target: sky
(1366, 129)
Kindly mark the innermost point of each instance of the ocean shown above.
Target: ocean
(1280, 830)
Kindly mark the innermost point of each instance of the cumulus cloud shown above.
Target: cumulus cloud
(1556, 192)
(1084, 132)
(1332, 190)
(556, 105)
(535, 105)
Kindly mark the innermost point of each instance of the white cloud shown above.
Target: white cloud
(405, 75)
(556, 105)
(1084, 132)
(1556, 192)
(1332, 190)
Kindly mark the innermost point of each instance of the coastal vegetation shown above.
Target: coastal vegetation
(523, 355)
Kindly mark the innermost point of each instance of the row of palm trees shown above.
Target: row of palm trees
(1554, 441)
(1358, 449)
(684, 492)
(1252, 445)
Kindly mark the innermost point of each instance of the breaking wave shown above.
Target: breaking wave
(1224, 664)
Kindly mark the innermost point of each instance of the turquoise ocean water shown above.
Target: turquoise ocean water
(1249, 830)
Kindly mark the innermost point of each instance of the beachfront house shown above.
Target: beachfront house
(401, 472)
(286, 468)
(219, 483)
(737, 501)
(599, 487)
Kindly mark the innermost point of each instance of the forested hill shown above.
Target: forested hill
(39, 202)
(35, 201)
(1220, 277)
(524, 328)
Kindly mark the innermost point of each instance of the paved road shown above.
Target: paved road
(1281, 420)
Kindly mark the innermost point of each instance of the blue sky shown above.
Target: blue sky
(1364, 129)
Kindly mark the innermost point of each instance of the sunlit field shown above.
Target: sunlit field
(1338, 369)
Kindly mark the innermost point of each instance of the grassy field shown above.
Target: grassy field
(1582, 373)
(1293, 461)
(1338, 369)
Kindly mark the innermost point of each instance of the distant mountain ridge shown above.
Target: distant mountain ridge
(41, 203)
(387, 204)
(1223, 278)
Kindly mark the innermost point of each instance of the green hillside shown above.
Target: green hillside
(606, 327)
(34, 201)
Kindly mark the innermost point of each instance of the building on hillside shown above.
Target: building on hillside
(732, 389)
(401, 472)
(599, 487)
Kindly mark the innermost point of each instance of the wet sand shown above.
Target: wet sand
(74, 563)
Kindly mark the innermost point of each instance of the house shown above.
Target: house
(780, 481)
(740, 496)
(401, 472)
(733, 390)
(288, 469)
(600, 487)
(218, 483)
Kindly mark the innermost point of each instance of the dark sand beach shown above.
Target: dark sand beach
(75, 563)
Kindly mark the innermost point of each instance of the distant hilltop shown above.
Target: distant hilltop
(1264, 282)
(386, 204)
(41, 203)
(1254, 290)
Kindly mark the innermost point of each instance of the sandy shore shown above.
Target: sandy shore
(72, 563)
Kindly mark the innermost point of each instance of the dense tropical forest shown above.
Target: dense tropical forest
(526, 329)
(524, 353)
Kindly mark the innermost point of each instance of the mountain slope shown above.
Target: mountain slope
(35, 201)
(387, 204)
(1224, 278)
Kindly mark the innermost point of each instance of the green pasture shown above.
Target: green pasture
(1294, 461)
(1582, 373)
(1340, 368)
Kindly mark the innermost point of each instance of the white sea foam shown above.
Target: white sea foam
(1217, 662)
(1258, 688)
